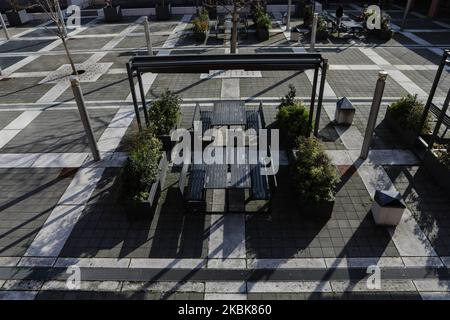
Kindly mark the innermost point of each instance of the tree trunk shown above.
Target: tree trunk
(69, 57)
(234, 29)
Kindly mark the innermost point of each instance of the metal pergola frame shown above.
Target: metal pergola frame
(441, 114)
(204, 63)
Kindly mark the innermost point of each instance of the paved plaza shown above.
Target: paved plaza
(59, 208)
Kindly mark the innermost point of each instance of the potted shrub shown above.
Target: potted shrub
(163, 10)
(292, 118)
(403, 118)
(164, 115)
(111, 13)
(201, 26)
(314, 177)
(140, 183)
(18, 15)
(437, 163)
(322, 29)
(262, 23)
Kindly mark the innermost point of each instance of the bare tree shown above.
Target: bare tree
(50, 7)
(234, 8)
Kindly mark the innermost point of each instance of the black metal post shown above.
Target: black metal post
(433, 89)
(144, 103)
(320, 99)
(313, 99)
(133, 95)
(439, 122)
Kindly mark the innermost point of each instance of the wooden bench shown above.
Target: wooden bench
(193, 194)
(255, 119)
(260, 184)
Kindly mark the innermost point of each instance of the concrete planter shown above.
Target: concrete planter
(406, 137)
(112, 14)
(17, 18)
(387, 208)
(148, 207)
(437, 170)
(262, 33)
(163, 12)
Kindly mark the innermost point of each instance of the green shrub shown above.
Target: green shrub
(261, 18)
(314, 176)
(407, 113)
(293, 121)
(292, 117)
(444, 156)
(141, 167)
(201, 23)
(164, 112)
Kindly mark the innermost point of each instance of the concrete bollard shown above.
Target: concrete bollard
(5, 29)
(78, 94)
(374, 109)
(288, 18)
(314, 31)
(148, 37)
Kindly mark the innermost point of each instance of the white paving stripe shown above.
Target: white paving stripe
(227, 236)
(375, 157)
(58, 89)
(15, 126)
(112, 136)
(396, 74)
(57, 228)
(288, 286)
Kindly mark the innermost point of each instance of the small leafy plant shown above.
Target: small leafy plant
(141, 167)
(314, 176)
(261, 18)
(444, 156)
(201, 24)
(165, 113)
(407, 113)
(292, 117)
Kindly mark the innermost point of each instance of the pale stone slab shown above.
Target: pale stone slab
(104, 286)
(227, 236)
(446, 261)
(350, 137)
(432, 285)
(435, 295)
(425, 262)
(81, 186)
(36, 262)
(409, 239)
(230, 88)
(17, 160)
(60, 160)
(53, 235)
(23, 120)
(92, 262)
(22, 285)
(225, 287)
(18, 295)
(390, 262)
(362, 286)
(167, 263)
(164, 286)
(227, 264)
(6, 136)
(225, 296)
(306, 263)
(339, 157)
(288, 286)
(9, 261)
